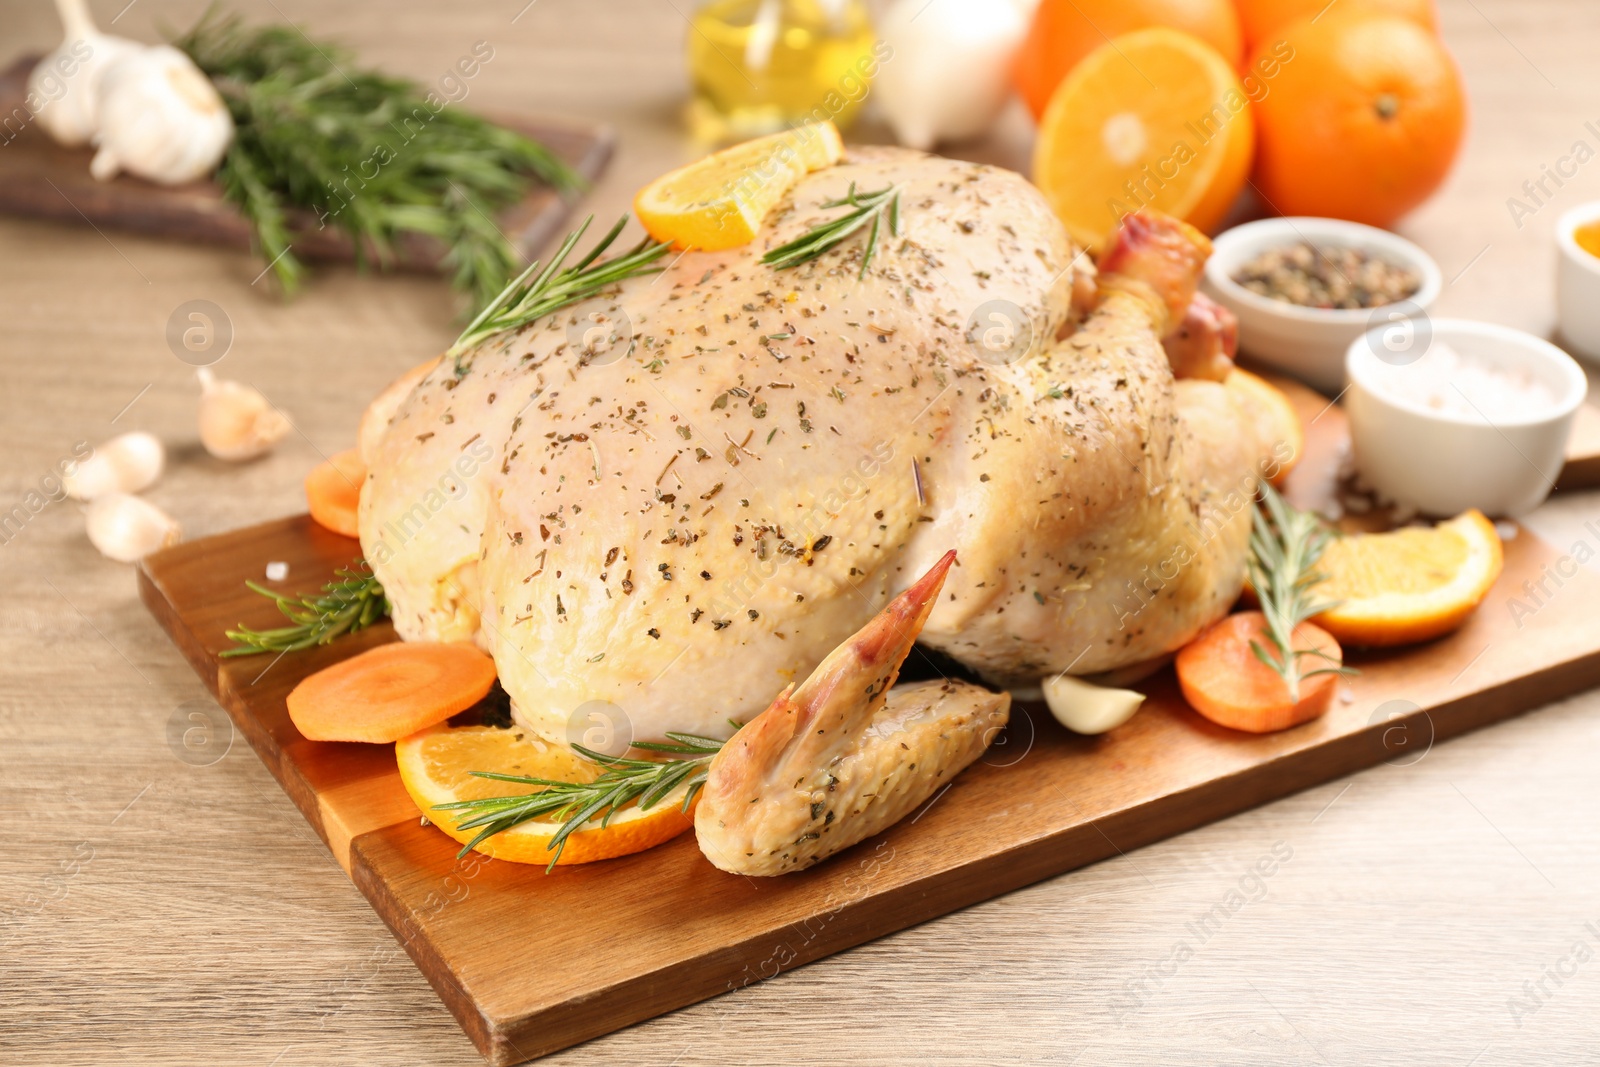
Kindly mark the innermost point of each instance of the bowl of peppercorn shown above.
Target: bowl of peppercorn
(1304, 288)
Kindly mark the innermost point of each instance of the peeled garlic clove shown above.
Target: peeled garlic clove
(922, 100)
(124, 464)
(159, 118)
(63, 86)
(1089, 709)
(127, 529)
(236, 421)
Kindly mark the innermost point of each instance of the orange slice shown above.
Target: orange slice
(333, 491)
(1152, 119)
(1410, 584)
(719, 202)
(1261, 399)
(436, 766)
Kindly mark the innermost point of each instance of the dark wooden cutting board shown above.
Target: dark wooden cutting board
(530, 962)
(41, 179)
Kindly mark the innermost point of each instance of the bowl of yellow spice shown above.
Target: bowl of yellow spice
(1578, 278)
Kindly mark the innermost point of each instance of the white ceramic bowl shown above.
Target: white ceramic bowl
(1443, 463)
(1578, 284)
(1309, 343)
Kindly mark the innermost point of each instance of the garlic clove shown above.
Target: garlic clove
(236, 421)
(1086, 708)
(160, 118)
(124, 464)
(127, 529)
(63, 86)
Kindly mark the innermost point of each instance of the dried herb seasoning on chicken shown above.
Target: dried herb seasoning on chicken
(693, 484)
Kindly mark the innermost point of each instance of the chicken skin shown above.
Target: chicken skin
(844, 756)
(680, 496)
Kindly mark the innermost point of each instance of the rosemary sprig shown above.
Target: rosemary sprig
(1285, 545)
(346, 605)
(530, 297)
(375, 156)
(866, 208)
(624, 781)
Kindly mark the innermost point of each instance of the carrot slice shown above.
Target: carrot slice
(1223, 680)
(333, 489)
(390, 692)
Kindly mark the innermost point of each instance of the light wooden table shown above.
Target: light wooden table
(157, 911)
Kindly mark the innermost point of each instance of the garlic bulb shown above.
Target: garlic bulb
(950, 73)
(63, 85)
(126, 528)
(236, 421)
(160, 118)
(124, 464)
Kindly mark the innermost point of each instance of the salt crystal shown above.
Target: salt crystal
(277, 571)
(1445, 381)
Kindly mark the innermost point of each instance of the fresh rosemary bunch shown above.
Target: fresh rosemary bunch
(1285, 545)
(352, 602)
(623, 781)
(866, 208)
(555, 287)
(361, 151)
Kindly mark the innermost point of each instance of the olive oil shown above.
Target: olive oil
(758, 66)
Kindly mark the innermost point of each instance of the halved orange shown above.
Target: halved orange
(436, 766)
(1261, 399)
(719, 201)
(333, 491)
(1152, 119)
(1410, 584)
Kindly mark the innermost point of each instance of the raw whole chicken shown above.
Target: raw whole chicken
(676, 499)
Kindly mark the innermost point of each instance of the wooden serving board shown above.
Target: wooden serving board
(41, 179)
(664, 928)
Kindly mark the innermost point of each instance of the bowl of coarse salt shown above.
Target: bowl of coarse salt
(1459, 414)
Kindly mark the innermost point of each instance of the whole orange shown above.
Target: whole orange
(1360, 120)
(1064, 31)
(1259, 19)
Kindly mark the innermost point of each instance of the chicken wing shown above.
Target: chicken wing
(845, 755)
